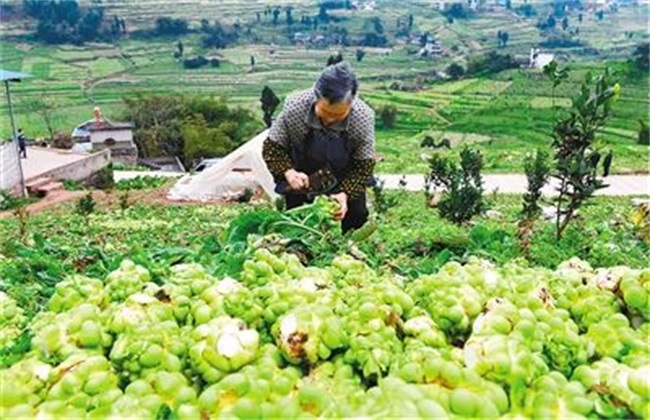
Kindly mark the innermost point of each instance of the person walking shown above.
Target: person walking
(22, 147)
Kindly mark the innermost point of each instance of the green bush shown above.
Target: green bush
(103, 179)
(188, 127)
(462, 198)
(492, 62)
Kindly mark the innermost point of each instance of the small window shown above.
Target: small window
(110, 141)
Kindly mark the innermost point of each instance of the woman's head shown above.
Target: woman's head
(335, 90)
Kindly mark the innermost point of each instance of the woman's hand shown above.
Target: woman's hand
(298, 181)
(342, 200)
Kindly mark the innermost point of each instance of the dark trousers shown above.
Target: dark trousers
(356, 216)
(22, 151)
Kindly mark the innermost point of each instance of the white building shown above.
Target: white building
(539, 59)
(101, 133)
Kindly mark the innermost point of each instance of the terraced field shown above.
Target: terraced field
(513, 109)
(506, 118)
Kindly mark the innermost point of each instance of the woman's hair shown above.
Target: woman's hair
(337, 83)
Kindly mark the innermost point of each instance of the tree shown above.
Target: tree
(503, 37)
(577, 160)
(334, 59)
(276, 16)
(456, 11)
(600, 15)
(377, 25)
(410, 23)
(424, 38)
(508, 4)
(462, 198)
(219, 36)
(493, 62)
(537, 169)
(90, 24)
(360, 54)
(205, 25)
(580, 17)
(526, 10)
(187, 127)
(551, 22)
(170, 26)
(455, 71)
(48, 109)
(195, 62)
(372, 39)
(270, 102)
(202, 141)
(641, 57)
(557, 75)
(388, 115)
(116, 28)
(565, 23)
(65, 22)
(644, 133)
(158, 121)
(322, 14)
(289, 16)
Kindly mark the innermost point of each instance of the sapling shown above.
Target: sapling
(537, 170)
(462, 198)
(576, 158)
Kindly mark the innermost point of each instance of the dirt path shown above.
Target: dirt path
(51, 200)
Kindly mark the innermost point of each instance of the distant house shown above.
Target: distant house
(432, 48)
(369, 5)
(301, 38)
(101, 133)
(539, 59)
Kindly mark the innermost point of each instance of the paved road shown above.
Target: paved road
(619, 185)
(516, 184)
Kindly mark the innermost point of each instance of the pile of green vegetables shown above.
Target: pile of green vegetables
(280, 339)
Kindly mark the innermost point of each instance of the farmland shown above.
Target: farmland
(510, 112)
(76, 284)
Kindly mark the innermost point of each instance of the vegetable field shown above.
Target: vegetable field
(246, 312)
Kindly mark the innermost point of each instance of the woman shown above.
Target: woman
(328, 129)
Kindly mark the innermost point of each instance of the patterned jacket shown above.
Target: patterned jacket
(293, 125)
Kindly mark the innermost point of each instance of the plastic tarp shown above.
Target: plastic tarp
(9, 166)
(242, 169)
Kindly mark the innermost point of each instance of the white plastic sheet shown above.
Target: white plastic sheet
(242, 169)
